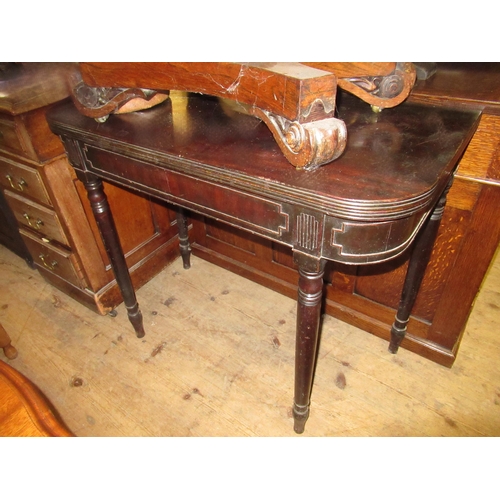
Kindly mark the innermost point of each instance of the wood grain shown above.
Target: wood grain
(24, 410)
(218, 361)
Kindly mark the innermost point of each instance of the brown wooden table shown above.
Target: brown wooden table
(386, 191)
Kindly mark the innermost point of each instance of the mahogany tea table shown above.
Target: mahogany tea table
(386, 191)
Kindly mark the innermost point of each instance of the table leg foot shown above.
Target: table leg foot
(300, 416)
(10, 351)
(419, 259)
(135, 318)
(184, 246)
(398, 332)
(309, 304)
(5, 343)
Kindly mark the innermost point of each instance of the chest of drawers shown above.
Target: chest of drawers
(50, 206)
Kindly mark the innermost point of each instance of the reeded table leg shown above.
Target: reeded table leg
(419, 259)
(107, 228)
(308, 318)
(184, 246)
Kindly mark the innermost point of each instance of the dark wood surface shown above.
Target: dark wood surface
(368, 206)
(462, 85)
(390, 168)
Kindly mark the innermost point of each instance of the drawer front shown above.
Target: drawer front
(52, 259)
(8, 135)
(23, 180)
(36, 217)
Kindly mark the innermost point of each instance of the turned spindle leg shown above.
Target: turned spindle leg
(107, 228)
(5, 343)
(184, 246)
(419, 259)
(308, 319)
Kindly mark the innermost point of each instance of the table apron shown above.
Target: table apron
(313, 232)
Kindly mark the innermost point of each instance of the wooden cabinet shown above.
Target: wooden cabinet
(9, 232)
(367, 296)
(50, 206)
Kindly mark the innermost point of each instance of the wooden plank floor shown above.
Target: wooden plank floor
(217, 360)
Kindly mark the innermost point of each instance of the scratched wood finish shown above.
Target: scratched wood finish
(218, 361)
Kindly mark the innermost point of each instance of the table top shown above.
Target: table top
(28, 86)
(395, 161)
(462, 85)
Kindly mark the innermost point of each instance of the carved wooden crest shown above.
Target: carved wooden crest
(295, 100)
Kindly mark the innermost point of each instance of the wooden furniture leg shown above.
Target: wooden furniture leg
(107, 228)
(419, 259)
(184, 246)
(309, 304)
(5, 343)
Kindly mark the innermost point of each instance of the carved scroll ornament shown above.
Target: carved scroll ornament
(306, 145)
(384, 91)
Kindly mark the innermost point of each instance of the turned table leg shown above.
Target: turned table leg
(5, 343)
(184, 246)
(419, 259)
(107, 228)
(309, 304)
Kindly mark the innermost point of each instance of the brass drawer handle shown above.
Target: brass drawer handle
(20, 185)
(36, 224)
(50, 266)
